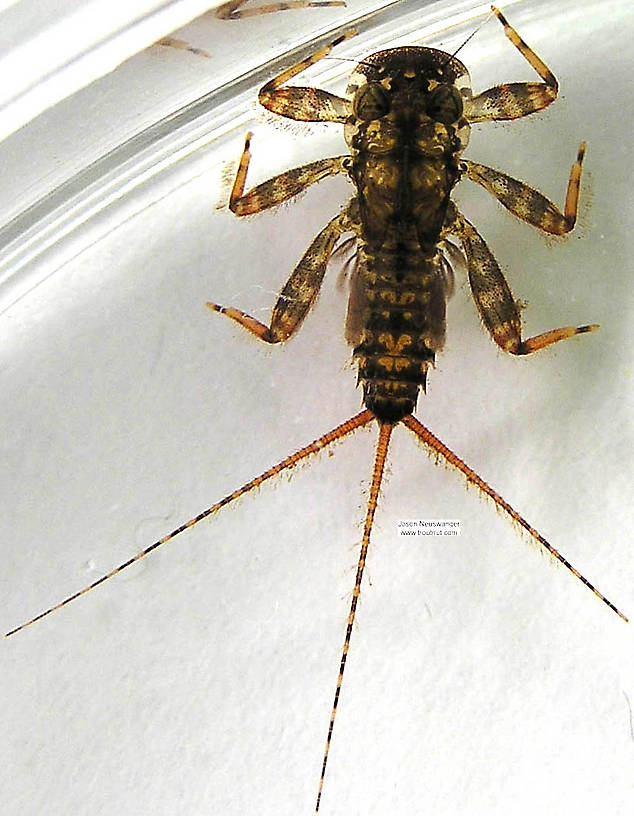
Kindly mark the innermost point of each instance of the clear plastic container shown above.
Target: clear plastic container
(481, 679)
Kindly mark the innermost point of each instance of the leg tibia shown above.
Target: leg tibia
(247, 322)
(541, 341)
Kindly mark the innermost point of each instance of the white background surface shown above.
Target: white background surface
(481, 679)
(50, 50)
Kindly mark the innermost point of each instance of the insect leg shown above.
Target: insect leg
(515, 99)
(306, 104)
(358, 421)
(433, 443)
(493, 297)
(385, 431)
(300, 290)
(233, 11)
(279, 188)
(526, 203)
(183, 45)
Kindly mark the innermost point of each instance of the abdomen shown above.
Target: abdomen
(396, 324)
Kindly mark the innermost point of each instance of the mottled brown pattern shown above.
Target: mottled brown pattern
(515, 99)
(490, 290)
(511, 101)
(306, 104)
(280, 188)
(407, 116)
(285, 186)
(525, 202)
(402, 324)
(301, 289)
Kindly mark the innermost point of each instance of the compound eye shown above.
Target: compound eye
(371, 102)
(444, 104)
